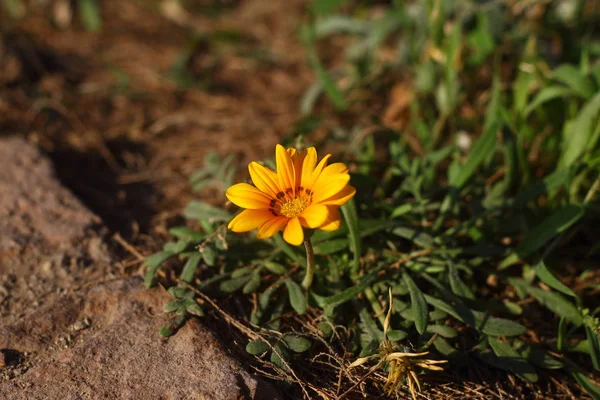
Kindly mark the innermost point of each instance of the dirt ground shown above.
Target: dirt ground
(125, 130)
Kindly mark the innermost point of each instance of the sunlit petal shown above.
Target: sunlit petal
(335, 168)
(271, 227)
(340, 198)
(334, 220)
(298, 160)
(308, 166)
(310, 181)
(314, 216)
(264, 178)
(285, 168)
(248, 220)
(328, 186)
(247, 196)
(293, 233)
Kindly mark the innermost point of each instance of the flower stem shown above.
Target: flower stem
(310, 264)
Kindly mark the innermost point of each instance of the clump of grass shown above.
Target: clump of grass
(472, 134)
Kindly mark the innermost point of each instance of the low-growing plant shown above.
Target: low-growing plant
(474, 211)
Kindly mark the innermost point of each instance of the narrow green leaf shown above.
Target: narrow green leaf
(257, 347)
(348, 294)
(209, 255)
(482, 150)
(185, 233)
(547, 94)
(274, 267)
(187, 274)
(331, 89)
(546, 276)
(442, 330)
(297, 297)
(280, 357)
(421, 239)
(444, 347)
(331, 246)
(296, 343)
(153, 263)
(418, 304)
(557, 304)
(231, 285)
(558, 222)
(574, 79)
(511, 360)
(194, 308)
(586, 384)
(253, 284)
(172, 306)
(89, 12)
(458, 286)
(592, 338)
(577, 132)
(351, 217)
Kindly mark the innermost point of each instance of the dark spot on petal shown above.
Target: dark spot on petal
(273, 212)
(280, 195)
(273, 202)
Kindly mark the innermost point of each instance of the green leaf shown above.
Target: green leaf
(444, 347)
(280, 360)
(509, 359)
(558, 222)
(586, 384)
(458, 286)
(89, 12)
(172, 306)
(549, 279)
(481, 321)
(153, 263)
(194, 308)
(253, 284)
(274, 267)
(482, 150)
(574, 79)
(185, 233)
(231, 285)
(331, 246)
(592, 338)
(418, 304)
(349, 293)
(296, 343)
(577, 132)
(203, 211)
(351, 217)
(557, 304)
(187, 274)
(209, 255)
(419, 238)
(257, 347)
(442, 330)
(329, 85)
(325, 6)
(547, 94)
(297, 297)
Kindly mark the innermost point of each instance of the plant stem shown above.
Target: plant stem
(310, 264)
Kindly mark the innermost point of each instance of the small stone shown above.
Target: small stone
(81, 325)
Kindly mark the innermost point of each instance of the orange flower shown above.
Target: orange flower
(300, 194)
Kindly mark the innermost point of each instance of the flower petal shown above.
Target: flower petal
(264, 178)
(248, 220)
(334, 221)
(293, 233)
(298, 160)
(285, 168)
(335, 168)
(341, 197)
(247, 196)
(329, 185)
(312, 179)
(314, 216)
(271, 227)
(308, 166)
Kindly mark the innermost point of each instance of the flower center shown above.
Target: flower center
(293, 208)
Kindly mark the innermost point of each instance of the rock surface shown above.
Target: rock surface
(70, 326)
